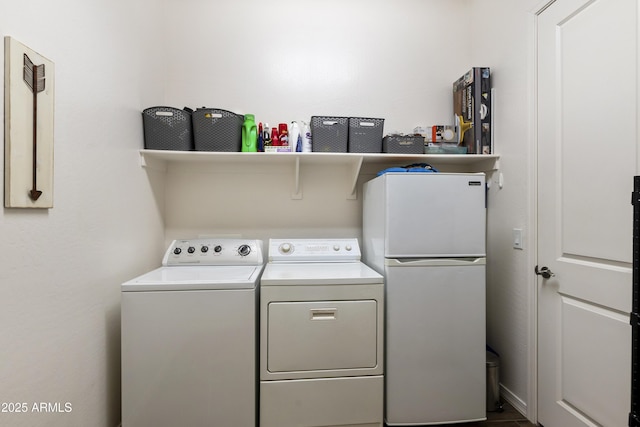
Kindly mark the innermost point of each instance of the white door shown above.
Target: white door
(587, 144)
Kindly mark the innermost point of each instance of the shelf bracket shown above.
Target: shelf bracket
(297, 188)
(353, 179)
(151, 163)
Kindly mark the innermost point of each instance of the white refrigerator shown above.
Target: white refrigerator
(425, 232)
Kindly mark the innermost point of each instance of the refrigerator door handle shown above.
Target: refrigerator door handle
(434, 262)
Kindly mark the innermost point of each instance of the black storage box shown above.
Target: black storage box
(365, 135)
(398, 144)
(167, 128)
(217, 130)
(329, 134)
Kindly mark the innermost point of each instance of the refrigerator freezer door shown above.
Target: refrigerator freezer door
(427, 214)
(435, 343)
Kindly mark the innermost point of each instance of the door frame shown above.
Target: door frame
(531, 279)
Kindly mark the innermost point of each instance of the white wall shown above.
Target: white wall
(62, 268)
(503, 40)
(287, 60)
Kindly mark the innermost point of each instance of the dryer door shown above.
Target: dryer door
(322, 337)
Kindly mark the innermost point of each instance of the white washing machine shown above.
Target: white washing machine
(189, 337)
(321, 336)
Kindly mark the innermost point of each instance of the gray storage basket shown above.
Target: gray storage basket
(403, 144)
(329, 134)
(217, 130)
(167, 128)
(365, 135)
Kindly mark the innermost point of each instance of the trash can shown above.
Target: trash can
(493, 383)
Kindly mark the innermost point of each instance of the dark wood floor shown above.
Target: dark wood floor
(507, 418)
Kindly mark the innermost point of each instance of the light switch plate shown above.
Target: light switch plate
(517, 238)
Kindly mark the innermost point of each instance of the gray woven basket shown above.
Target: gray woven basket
(217, 130)
(329, 134)
(403, 144)
(365, 135)
(167, 128)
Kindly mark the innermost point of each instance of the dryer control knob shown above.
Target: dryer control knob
(244, 250)
(348, 247)
(336, 248)
(285, 248)
(177, 251)
(217, 249)
(191, 249)
(204, 249)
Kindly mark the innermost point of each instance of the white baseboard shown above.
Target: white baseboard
(517, 403)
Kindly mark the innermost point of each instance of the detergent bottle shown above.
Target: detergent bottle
(283, 134)
(295, 142)
(275, 138)
(249, 134)
(306, 138)
(266, 139)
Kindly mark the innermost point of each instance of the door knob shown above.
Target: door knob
(544, 272)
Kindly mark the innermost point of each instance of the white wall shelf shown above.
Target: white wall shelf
(355, 162)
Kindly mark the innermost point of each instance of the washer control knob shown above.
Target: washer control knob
(177, 251)
(285, 248)
(336, 248)
(217, 249)
(244, 250)
(191, 249)
(204, 249)
(348, 248)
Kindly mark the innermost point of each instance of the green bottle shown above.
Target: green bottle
(249, 134)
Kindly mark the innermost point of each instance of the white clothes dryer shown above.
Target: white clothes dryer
(189, 337)
(321, 336)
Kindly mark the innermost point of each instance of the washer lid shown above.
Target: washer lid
(319, 273)
(195, 278)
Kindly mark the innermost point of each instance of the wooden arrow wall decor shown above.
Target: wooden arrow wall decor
(33, 76)
(29, 107)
